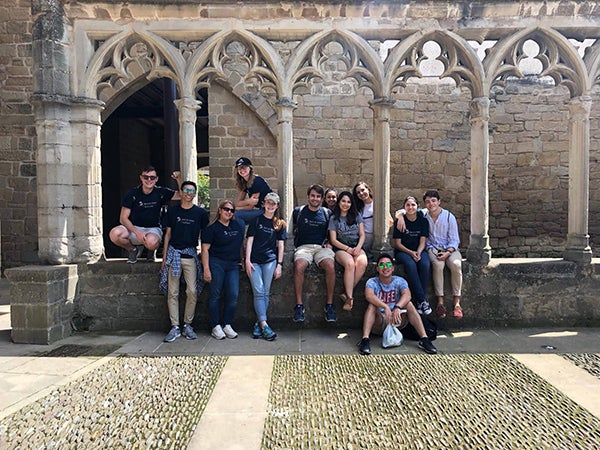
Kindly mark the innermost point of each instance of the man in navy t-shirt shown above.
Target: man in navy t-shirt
(310, 224)
(140, 216)
(184, 223)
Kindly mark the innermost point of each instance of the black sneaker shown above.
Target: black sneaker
(299, 313)
(330, 314)
(364, 346)
(426, 345)
(134, 254)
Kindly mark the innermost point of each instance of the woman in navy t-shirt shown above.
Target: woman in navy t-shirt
(221, 250)
(409, 246)
(264, 260)
(252, 190)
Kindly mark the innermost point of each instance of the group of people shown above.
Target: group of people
(331, 227)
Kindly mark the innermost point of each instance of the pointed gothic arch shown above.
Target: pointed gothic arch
(361, 61)
(558, 56)
(460, 61)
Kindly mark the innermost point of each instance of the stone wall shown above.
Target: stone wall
(430, 148)
(509, 293)
(18, 205)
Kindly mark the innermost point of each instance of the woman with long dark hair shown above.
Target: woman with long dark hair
(409, 252)
(347, 236)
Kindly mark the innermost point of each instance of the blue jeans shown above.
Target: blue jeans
(261, 279)
(417, 273)
(245, 216)
(225, 276)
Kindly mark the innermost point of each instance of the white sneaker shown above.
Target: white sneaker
(217, 332)
(229, 332)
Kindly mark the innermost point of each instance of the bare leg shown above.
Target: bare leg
(328, 266)
(299, 268)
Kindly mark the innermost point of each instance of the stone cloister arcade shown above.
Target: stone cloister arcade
(83, 74)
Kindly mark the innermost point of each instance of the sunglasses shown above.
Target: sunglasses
(229, 210)
(149, 177)
(384, 265)
(188, 191)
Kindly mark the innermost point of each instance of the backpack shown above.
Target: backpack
(430, 326)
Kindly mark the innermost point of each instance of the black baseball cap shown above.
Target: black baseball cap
(243, 162)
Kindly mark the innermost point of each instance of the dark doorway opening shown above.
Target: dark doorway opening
(142, 131)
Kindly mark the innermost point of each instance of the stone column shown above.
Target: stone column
(479, 251)
(285, 146)
(188, 154)
(578, 248)
(381, 173)
(68, 179)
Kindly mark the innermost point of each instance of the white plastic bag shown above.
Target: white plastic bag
(392, 337)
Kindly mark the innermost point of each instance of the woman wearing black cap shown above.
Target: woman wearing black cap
(252, 190)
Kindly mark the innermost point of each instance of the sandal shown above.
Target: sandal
(348, 302)
(458, 312)
(440, 311)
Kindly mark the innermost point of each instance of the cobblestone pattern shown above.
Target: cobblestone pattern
(587, 361)
(420, 402)
(127, 403)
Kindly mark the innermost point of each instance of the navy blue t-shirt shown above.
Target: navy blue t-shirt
(264, 246)
(186, 225)
(145, 208)
(259, 185)
(225, 242)
(414, 230)
(311, 226)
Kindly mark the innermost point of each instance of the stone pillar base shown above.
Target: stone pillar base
(578, 249)
(41, 302)
(479, 252)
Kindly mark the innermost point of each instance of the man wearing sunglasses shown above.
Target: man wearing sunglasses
(389, 303)
(180, 256)
(140, 216)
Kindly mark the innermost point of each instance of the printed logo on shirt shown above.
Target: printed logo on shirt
(387, 297)
(185, 221)
(265, 229)
(141, 204)
(230, 233)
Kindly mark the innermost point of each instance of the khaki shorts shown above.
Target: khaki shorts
(313, 252)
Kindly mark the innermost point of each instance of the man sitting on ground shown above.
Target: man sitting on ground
(389, 303)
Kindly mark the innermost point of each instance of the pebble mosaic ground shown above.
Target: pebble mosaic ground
(587, 361)
(145, 402)
(420, 402)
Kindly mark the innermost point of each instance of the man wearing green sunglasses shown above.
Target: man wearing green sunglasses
(180, 257)
(389, 303)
